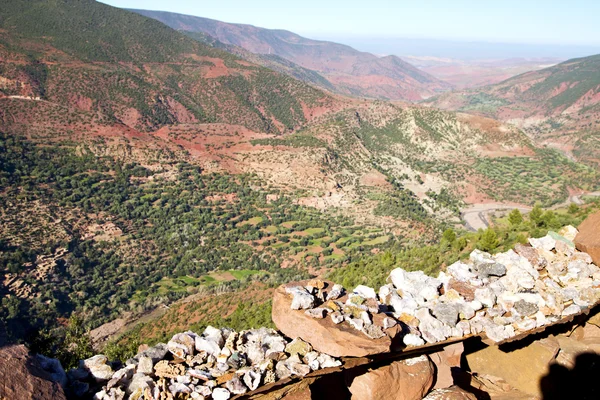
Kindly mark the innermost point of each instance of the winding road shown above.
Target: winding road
(475, 217)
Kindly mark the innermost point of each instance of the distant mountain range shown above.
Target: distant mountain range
(559, 104)
(349, 71)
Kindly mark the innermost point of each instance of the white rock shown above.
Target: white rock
(365, 292)
(486, 297)
(461, 272)
(413, 340)
(302, 300)
(220, 394)
(572, 309)
(547, 243)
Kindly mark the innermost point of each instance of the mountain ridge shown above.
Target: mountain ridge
(559, 105)
(353, 72)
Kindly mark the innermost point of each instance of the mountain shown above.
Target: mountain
(351, 72)
(140, 166)
(138, 72)
(559, 105)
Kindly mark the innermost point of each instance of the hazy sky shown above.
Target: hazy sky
(516, 21)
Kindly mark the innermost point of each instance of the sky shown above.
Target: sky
(557, 22)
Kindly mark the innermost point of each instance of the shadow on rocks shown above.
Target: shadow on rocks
(581, 382)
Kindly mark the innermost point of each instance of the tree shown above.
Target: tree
(488, 240)
(515, 217)
(535, 216)
(449, 235)
(573, 208)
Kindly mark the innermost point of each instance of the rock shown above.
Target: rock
(411, 339)
(220, 394)
(54, 368)
(139, 382)
(497, 388)
(337, 317)
(401, 380)
(547, 243)
(318, 312)
(236, 386)
(447, 313)
(486, 296)
(166, 370)
(571, 310)
(450, 393)
(432, 329)
(252, 379)
(461, 272)
(531, 255)
(568, 232)
(588, 239)
(98, 367)
(588, 331)
(373, 331)
(145, 365)
(301, 299)
(570, 348)
(298, 346)
(365, 292)
(22, 377)
(420, 286)
(521, 368)
(466, 290)
(182, 345)
(486, 270)
(525, 309)
(326, 336)
(444, 361)
(336, 292)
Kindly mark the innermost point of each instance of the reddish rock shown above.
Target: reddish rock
(588, 238)
(444, 361)
(464, 289)
(325, 336)
(531, 255)
(23, 378)
(521, 368)
(401, 380)
(451, 393)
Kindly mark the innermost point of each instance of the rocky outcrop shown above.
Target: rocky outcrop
(402, 341)
(521, 368)
(217, 364)
(327, 335)
(450, 393)
(588, 238)
(498, 297)
(400, 380)
(24, 376)
(445, 360)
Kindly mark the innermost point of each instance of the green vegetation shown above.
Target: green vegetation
(177, 236)
(542, 178)
(294, 140)
(373, 270)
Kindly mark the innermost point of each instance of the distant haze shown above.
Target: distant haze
(462, 49)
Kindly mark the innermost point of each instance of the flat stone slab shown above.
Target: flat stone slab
(340, 340)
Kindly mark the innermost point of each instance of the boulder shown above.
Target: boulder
(521, 368)
(444, 361)
(22, 377)
(570, 348)
(491, 387)
(401, 380)
(588, 238)
(451, 393)
(324, 334)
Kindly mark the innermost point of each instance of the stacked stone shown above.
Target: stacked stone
(217, 364)
(501, 295)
